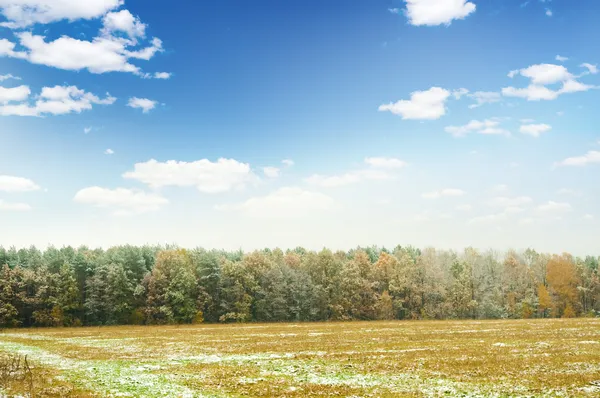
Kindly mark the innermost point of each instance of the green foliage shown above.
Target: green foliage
(164, 285)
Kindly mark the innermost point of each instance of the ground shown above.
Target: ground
(359, 359)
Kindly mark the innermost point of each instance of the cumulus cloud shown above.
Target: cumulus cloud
(561, 59)
(540, 76)
(23, 13)
(109, 152)
(14, 94)
(87, 130)
(458, 94)
(271, 172)
(448, 192)
(288, 162)
(145, 104)
(17, 184)
(123, 21)
(8, 206)
(379, 168)
(487, 127)
(123, 201)
(535, 130)
(484, 97)
(287, 202)
(162, 75)
(57, 100)
(423, 105)
(101, 55)
(437, 12)
(208, 177)
(554, 207)
(592, 69)
(110, 51)
(588, 158)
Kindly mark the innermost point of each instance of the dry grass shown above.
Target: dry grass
(378, 359)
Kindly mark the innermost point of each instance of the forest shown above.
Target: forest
(171, 285)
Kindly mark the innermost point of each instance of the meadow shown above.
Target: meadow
(541, 357)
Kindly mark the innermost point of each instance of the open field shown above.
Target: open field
(379, 359)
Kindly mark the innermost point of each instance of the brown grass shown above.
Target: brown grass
(383, 359)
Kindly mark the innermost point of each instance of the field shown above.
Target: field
(366, 359)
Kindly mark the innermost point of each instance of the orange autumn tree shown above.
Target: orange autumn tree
(562, 280)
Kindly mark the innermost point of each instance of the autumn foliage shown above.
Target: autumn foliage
(157, 285)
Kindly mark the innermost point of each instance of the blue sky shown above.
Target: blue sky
(448, 123)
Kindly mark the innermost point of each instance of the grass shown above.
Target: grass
(528, 358)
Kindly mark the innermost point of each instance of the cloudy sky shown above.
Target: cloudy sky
(314, 123)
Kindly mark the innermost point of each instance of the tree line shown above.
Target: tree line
(165, 285)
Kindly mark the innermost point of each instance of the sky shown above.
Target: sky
(251, 124)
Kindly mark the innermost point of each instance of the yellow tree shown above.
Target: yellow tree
(544, 300)
(563, 279)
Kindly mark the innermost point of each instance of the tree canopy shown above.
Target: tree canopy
(166, 285)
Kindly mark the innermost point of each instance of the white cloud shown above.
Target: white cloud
(87, 130)
(288, 162)
(142, 103)
(588, 158)
(488, 126)
(287, 202)
(17, 184)
(554, 207)
(448, 192)
(423, 105)
(506, 202)
(394, 10)
(561, 59)
(379, 169)
(593, 69)
(437, 12)
(542, 75)
(23, 13)
(484, 97)
(7, 49)
(588, 217)
(8, 206)
(8, 76)
(109, 152)
(123, 21)
(15, 94)
(458, 94)
(124, 201)
(162, 75)
(271, 172)
(464, 208)
(208, 177)
(101, 55)
(535, 130)
(548, 12)
(334, 181)
(385, 163)
(531, 93)
(57, 100)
